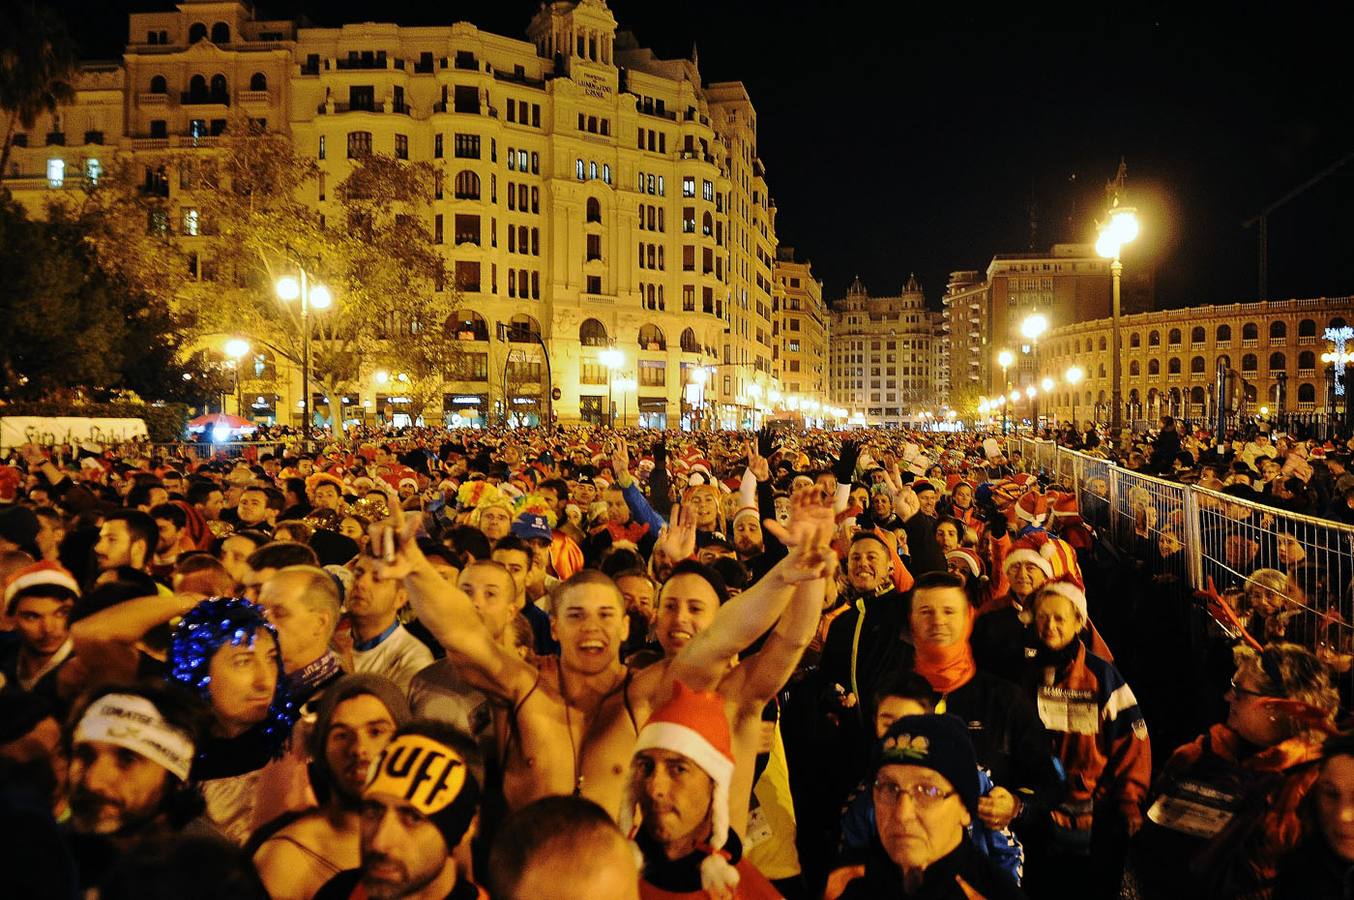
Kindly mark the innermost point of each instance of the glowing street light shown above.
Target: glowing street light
(613, 359)
(1047, 385)
(312, 296)
(1073, 376)
(1034, 325)
(1120, 228)
(236, 348)
(1004, 359)
(625, 386)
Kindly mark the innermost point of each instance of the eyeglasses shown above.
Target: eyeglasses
(1244, 692)
(925, 796)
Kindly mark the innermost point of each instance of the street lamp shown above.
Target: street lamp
(1120, 229)
(1004, 359)
(312, 296)
(1073, 377)
(1034, 325)
(613, 359)
(625, 386)
(700, 375)
(236, 348)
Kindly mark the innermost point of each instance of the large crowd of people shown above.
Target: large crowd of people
(582, 662)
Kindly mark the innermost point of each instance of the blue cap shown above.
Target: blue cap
(529, 526)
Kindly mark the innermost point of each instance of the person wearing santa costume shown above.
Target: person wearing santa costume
(680, 777)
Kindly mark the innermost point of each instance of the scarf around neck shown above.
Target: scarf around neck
(947, 668)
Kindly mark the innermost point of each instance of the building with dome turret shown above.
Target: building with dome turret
(882, 360)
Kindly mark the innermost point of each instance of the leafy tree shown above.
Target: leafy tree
(375, 257)
(964, 398)
(37, 67)
(60, 317)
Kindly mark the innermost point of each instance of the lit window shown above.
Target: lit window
(93, 169)
(578, 169)
(606, 173)
(56, 172)
(190, 222)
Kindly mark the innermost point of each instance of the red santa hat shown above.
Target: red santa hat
(1029, 549)
(1063, 504)
(1032, 508)
(1070, 589)
(970, 558)
(694, 724)
(52, 578)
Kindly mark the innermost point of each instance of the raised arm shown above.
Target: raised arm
(704, 661)
(451, 617)
(127, 622)
(105, 643)
(763, 674)
(640, 507)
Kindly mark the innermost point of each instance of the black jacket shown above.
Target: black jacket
(925, 553)
(861, 665)
(940, 881)
(1164, 450)
(1314, 872)
(1008, 739)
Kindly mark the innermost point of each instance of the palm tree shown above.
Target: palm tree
(37, 67)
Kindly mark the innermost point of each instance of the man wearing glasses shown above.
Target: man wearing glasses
(925, 792)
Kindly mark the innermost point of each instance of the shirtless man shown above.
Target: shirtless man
(357, 718)
(575, 716)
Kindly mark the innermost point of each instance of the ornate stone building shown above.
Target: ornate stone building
(595, 195)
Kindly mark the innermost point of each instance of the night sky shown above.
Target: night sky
(898, 140)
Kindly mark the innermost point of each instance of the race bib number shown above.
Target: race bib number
(1194, 808)
(1073, 712)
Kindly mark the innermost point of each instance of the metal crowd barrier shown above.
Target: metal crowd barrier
(198, 450)
(1289, 576)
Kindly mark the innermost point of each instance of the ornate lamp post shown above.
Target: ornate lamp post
(1120, 228)
(312, 296)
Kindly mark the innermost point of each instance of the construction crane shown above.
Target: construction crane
(1262, 219)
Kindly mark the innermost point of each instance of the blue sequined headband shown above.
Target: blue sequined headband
(208, 627)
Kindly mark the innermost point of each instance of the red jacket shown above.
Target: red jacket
(1110, 764)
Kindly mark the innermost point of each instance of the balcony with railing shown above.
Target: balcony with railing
(190, 99)
(664, 114)
(149, 98)
(519, 78)
(259, 97)
(353, 62)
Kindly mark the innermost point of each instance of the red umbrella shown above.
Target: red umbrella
(214, 420)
